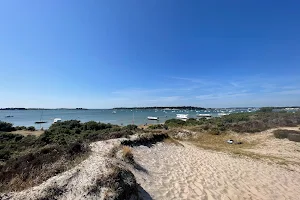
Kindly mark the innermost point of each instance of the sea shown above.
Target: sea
(119, 116)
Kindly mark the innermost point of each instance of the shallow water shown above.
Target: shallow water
(121, 117)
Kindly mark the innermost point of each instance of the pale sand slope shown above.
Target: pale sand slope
(75, 182)
(176, 172)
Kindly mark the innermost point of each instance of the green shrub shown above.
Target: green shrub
(175, 123)
(5, 155)
(31, 128)
(191, 122)
(21, 128)
(236, 117)
(158, 126)
(6, 127)
(131, 127)
(265, 109)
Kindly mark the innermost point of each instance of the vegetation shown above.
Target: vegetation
(120, 182)
(266, 109)
(147, 139)
(158, 126)
(240, 122)
(289, 134)
(28, 160)
(127, 154)
(6, 127)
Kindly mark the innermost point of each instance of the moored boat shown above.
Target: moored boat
(207, 116)
(182, 116)
(152, 118)
(56, 120)
(223, 114)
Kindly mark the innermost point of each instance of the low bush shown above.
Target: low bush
(175, 123)
(265, 109)
(21, 128)
(6, 127)
(130, 127)
(146, 139)
(31, 128)
(158, 126)
(292, 135)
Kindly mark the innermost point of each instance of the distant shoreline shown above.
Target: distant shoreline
(148, 108)
(162, 107)
(44, 109)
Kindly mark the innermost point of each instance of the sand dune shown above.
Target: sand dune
(169, 171)
(176, 172)
(74, 183)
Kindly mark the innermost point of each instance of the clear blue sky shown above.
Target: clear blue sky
(102, 54)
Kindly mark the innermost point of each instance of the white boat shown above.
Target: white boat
(207, 116)
(223, 114)
(182, 116)
(114, 112)
(152, 118)
(56, 120)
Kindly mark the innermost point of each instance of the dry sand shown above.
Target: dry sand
(188, 172)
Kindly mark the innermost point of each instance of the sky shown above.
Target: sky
(109, 53)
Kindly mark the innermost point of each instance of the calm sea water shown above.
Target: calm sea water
(121, 117)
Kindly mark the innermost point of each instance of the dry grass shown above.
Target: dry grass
(26, 132)
(249, 142)
(218, 142)
(33, 168)
(127, 154)
(172, 141)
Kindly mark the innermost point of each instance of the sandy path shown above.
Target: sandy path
(176, 172)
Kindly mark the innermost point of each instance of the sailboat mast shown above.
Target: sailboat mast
(133, 117)
(41, 116)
